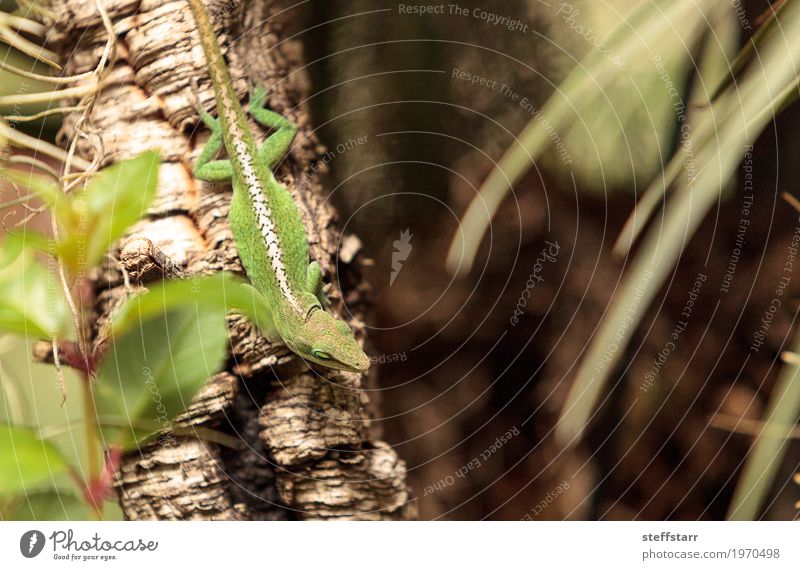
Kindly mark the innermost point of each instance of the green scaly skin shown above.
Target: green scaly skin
(265, 220)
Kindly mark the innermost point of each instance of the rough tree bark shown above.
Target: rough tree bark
(306, 449)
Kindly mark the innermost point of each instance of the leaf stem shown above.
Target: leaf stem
(93, 457)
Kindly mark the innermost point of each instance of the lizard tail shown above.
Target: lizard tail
(217, 68)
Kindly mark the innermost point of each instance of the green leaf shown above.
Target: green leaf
(26, 462)
(31, 302)
(222, 291)
(13, 400)
(93, 218)
(99, 214)
(168, 341)
(154, 368)
(11, 250)
(25, 239)
(49, 505)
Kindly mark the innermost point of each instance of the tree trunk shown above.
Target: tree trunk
(299, 445)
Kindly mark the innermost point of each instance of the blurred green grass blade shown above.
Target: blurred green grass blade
(739, 114)
(578, 95)
(747, 52)
(713, 67)
(767, 452)
(654, 195)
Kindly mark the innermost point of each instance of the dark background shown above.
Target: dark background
(457, 375)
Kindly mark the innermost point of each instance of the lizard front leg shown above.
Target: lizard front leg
(314, 284)
(277, 144)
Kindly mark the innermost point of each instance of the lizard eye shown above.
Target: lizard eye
(321, 355)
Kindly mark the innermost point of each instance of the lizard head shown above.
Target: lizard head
(324, 339)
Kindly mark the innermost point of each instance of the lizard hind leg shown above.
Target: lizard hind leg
(206, 168)
(213, 170)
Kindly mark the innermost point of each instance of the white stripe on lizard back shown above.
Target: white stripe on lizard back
(264, 221)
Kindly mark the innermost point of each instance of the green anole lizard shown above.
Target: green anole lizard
(265, 221)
